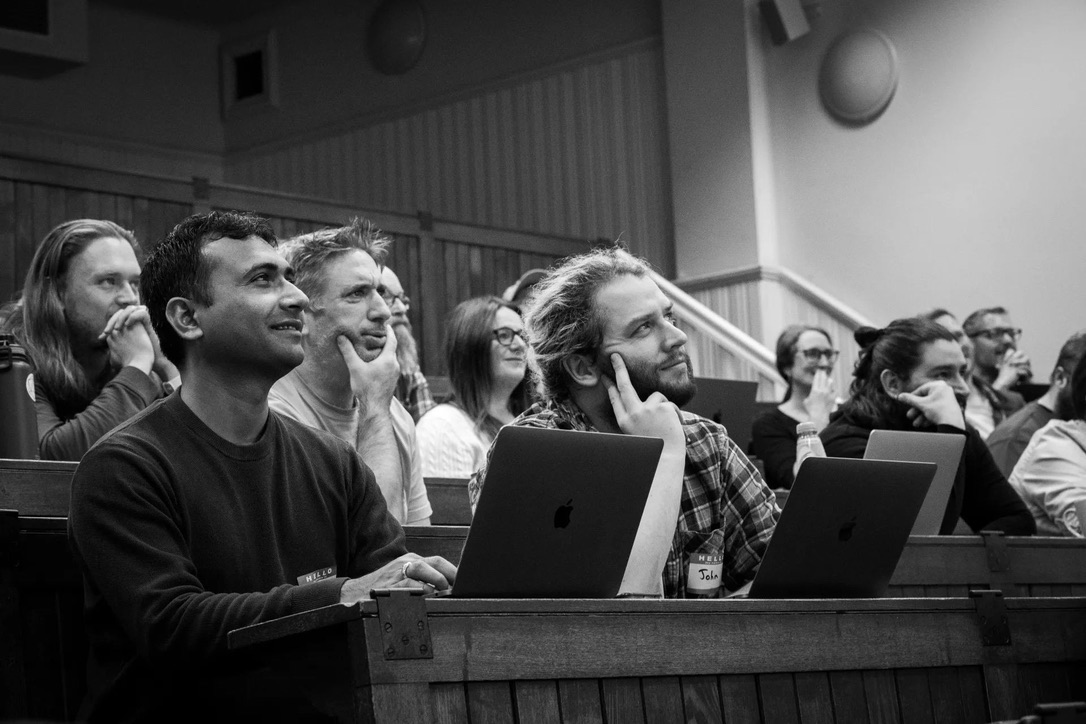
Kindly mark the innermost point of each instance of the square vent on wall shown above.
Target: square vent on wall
(39, 38)
(249, 75)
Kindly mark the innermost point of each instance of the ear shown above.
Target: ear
(582, 370)
(181, 314)
(891, 383)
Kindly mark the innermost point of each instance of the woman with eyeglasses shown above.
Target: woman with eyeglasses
(486, 358)
(805, 359)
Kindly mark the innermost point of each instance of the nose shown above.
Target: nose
(293, 298)
(397, 306)
(959, 386)
(379, 311)
(675, 337)
(128, 294)
(517, 343)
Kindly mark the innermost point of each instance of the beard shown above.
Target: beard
(407, 350)
(646, 380)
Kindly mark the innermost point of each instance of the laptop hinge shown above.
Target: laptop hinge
(405, 629)
(991, 609)
(1064, 712)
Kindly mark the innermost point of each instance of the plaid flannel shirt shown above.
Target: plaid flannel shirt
(721, 491)
(413, 392)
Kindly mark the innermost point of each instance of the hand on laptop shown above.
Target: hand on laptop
(407, 571)
(656, 416)
(933, 403)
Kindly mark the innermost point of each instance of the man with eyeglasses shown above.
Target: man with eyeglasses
(998, 365)
(346, 382)
(412, 389)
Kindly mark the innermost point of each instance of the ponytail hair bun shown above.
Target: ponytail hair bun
(867, 336)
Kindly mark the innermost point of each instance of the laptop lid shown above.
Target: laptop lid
(945, 450)
(729, 402)
(843, 530)
(558, 514)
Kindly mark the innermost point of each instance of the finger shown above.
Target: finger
(616, 398)
(421, 570)
(622, 381)
(112, 323)
(346, 348)
(390, 341)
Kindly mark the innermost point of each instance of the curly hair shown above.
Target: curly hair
(37, 319)
(560, 314)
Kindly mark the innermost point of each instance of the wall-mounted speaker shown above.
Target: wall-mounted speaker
(785, 19)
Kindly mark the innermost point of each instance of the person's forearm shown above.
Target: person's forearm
(378, 449)
(657, 528)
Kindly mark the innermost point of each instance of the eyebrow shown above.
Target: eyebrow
(267, 267)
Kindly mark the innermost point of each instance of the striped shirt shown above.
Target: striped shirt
(722, 491)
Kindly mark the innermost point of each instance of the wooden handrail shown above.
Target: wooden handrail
(719, 330)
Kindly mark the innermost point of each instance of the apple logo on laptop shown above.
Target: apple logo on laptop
(845, 533)
(561, 515)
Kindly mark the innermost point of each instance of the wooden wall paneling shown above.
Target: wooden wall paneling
(1043, 684)
(448, 702)
(947, 701)
(490, 702)
(663, 697)
(814, 697)
(9, 272)
(1005, 699)
(778, 695)
(25, 242)
(430, 296)
(701, 699)
(124, 213)
(739, 699)
(141, 221)
(880, 691)
(536, 702)
(41, 213)
(972, 693)
(849, 702)
(580, 701)
(913, 696)
(622, 701)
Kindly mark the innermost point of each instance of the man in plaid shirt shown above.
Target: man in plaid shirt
(607, 356)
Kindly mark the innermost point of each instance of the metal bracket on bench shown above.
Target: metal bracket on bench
(995, 629)
(999, 560)
(405, 629)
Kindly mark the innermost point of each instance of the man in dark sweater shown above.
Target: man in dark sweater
(207, 512)
(909, 377)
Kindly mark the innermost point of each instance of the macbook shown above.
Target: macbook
(558, 514)
(843, 530)
(943, 449)
(729, 402)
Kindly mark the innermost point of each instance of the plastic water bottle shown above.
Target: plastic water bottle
(808, 444)
(18, 418)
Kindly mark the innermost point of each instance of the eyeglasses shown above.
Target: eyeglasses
(813, 355)
(389, 298)
(505, 335)
(997, 333)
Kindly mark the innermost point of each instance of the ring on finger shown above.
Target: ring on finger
(403, 571)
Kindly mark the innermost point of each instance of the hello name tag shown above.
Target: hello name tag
(703, 573)
(318, 575)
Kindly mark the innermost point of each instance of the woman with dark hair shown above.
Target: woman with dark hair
(97, 361)
(486, 358)
(805, 358)
(1051, 474)
(909, 377)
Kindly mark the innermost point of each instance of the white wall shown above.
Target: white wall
(969, 190)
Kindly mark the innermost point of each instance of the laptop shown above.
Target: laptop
(558, 514)
(945, 450)
(729, 402)
(843, 530)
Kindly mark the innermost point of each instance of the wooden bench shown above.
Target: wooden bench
(407, 659)
(449, 500)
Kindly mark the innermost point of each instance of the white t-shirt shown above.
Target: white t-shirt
(406, 498)
(449, 444)
(1051, 477)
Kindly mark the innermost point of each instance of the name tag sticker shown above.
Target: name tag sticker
(703, 573)
(318, 575)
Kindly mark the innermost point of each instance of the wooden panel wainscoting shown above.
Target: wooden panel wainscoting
(652, 661)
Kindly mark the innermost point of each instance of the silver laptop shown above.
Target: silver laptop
(945, 450)
(558, 514)
(843, 530)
